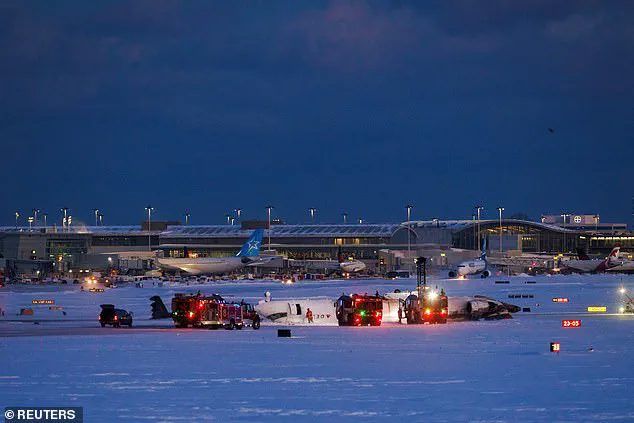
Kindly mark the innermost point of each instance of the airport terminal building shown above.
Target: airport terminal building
(382, 246)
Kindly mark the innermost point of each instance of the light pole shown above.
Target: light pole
(312, 211)
(149, 209)
(565, 215)
(96, 216)
(68, 222)
(186, 217)
(238, 212)
(596, 223)
(345, 215)
(44, 215)
(35, 212)
(30, 219)
(478, 210)
(100, 219)
(436, 222)
(269, 208)
(228, 219)
(500, 209)
(475, 241)
(409, 215)
(17, 218)
(360, 221)
(65, 211)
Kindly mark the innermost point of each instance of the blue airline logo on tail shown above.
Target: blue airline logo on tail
(251, 248)
(483, 256)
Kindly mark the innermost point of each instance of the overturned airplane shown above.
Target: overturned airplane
(293, 311)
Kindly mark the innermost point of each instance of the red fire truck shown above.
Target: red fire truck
(212, 312)
(359, 310)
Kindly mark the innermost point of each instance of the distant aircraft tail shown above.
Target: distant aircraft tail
(483, 254)
(608, 262)
(251, 248)
(340, 256)
(615, 252)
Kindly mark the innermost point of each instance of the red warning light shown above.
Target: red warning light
(555, 347)
(571, 323)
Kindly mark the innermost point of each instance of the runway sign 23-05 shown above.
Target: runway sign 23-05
(571, 323)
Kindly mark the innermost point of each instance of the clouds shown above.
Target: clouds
(404, 84)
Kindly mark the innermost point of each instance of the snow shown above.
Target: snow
(499, 371)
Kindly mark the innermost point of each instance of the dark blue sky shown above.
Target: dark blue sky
(343, 106)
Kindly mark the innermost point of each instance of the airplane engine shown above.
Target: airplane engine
(452, 273)
(485, 274)
(476, 309)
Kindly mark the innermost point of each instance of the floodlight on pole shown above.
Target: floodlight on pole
(565, 215)
(64, 216)
(409, 212)
(17, 218)
(269, 208)
(312, 211)
(500, 210)
(478, 210)
(96, 211)
(186, 217)
(149, 209)
(345, 216)
(238, 212)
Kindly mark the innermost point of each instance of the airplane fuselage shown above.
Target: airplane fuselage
(204, 266)
(471, 267)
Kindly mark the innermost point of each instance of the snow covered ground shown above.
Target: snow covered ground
(464, 371)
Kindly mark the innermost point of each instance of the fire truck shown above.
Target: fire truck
(212, 312)
(427, 305)
(359, 310)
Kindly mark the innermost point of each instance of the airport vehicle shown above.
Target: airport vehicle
(211, 312)
(115, 317)
(350, 265)
(359, 310)
(586, 265)
(247, 256)
(427, 306)
(473, 267)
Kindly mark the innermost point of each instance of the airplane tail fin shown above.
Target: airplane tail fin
(582, 254)
(251, 248)
(615, 252)
(340, 256)
(483, 254)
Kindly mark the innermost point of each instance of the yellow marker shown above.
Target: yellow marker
(597, 309)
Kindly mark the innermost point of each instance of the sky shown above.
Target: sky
(344, 106)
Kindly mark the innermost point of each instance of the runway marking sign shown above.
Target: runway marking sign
(96, 289)
(560, 300)
(39, 302)
(56, 308)
(597, 309)
(571, 323)
(555, 347)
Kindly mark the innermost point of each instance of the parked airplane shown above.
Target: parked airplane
(350, 265)
(473, 267)
(585, 265)
(247, 256)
